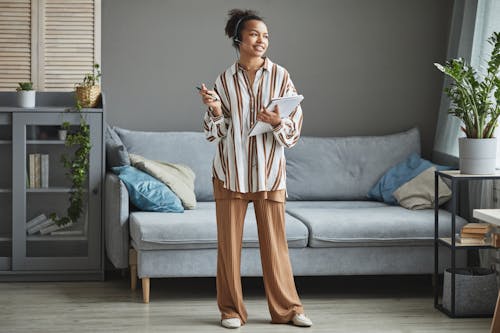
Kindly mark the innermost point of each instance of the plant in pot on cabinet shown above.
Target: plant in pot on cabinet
(26, 95)
(63, 131)
(476, 102)
(88, 91)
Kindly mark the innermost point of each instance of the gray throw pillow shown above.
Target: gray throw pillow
(116, 152)
(418, 193)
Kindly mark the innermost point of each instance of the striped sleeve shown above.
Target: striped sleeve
(288, 132)
(215, 127)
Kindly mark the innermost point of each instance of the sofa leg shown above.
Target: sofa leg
(145, 289)
(132, 260)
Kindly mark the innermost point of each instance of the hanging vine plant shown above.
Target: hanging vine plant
(77, 169)
(78, 165)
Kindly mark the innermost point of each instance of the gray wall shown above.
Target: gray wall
(364, 67)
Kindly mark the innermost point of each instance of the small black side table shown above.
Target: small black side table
(456, 177)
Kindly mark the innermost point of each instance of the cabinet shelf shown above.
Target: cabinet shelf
(5, 142)
(56, 238)
(5, 238)
(45, 142)
(5, 190)
(446, 241)
(49, 109)
(50, 190)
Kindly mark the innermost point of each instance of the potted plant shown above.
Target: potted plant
(476, 102)
(25, 95)
(88, 91)
(63, 131)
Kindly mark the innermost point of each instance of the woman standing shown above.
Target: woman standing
(252, 169)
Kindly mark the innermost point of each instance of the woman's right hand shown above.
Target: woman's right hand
(210, 99)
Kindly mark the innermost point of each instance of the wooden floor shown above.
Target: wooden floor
(335, 304)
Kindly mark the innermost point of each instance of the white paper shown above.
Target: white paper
(286, 106)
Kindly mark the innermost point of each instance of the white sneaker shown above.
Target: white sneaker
(300, 319)
(231, 322)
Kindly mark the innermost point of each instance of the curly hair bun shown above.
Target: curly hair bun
(236, 20)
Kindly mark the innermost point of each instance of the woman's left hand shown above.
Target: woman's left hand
(270, 117)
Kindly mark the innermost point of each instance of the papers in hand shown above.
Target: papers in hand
(286, 106)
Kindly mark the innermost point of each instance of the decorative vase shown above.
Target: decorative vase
(88, 95)
(26, 98)
(477, 156)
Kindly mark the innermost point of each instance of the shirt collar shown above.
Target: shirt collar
(268, 64)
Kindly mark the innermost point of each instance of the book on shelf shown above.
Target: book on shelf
(476, 228)
(471, 235)
(35, 221)
(472, 241)
(44, 170)
(54, 227)
(38, 166)
(67, 233)
(31, 163)
(45, 223)
(73, 229)
(37, 170)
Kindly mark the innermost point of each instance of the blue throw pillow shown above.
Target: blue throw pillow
(146, 192)
(398, 175)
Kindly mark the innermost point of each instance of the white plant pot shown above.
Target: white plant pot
(477, 156)
(26, 98)
(62, 134)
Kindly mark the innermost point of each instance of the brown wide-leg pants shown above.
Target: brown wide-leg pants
(282, 298)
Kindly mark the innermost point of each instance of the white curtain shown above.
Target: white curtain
(482, 194)
(487, 22)
(459, 46)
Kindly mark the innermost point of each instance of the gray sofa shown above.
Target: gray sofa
(332, 229)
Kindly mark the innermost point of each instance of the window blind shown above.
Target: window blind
(53, 43)
(15, 43)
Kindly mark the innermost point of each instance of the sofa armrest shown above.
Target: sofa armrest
(116, 220)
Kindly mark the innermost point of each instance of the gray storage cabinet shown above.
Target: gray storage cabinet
(74, 253)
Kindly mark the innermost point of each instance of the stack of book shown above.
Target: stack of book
(38, 170)
(474, 233)
(43, 225)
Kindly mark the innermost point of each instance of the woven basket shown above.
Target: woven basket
(88, 96)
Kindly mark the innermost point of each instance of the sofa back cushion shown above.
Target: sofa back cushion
(344, 168)
(189, 148)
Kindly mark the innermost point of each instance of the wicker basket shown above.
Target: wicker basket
(88, 97)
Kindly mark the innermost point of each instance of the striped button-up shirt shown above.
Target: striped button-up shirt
(256, 163)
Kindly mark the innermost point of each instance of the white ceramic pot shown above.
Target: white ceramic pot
(477, 156)
(62, 134)
(26, 98)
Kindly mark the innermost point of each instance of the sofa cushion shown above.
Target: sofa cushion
(189, 148)
(419, 193)
(348, 166)
(197, 229)
(116, 153)
(146, 192)
(372, 226)
(178, 177)
(399, 174)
